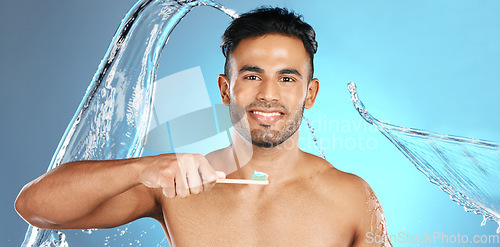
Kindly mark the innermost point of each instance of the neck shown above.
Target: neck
(277, 161)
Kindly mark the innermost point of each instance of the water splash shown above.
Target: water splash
(113, 117)
(315, 140)
(467, 169)
(378, 226)
(44, 238)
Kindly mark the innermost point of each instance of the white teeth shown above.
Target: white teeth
(265, 114)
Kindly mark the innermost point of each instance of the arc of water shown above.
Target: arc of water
(113, 117)
(465, 168)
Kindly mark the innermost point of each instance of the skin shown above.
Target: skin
(308, 202)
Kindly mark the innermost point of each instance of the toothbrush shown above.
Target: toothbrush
(257, 178)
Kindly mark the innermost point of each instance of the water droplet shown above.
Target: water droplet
(484, 221)
(89, 231)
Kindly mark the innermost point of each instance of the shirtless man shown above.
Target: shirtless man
(268, 81)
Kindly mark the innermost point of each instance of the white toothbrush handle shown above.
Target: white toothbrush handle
(241, 181)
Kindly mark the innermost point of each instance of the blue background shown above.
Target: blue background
(431, 65)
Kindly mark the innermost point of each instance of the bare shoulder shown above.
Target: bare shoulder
(335, 184)
(329, 175)
(354, 197)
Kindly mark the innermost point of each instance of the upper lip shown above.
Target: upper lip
(267, 110)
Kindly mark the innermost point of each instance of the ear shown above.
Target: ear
(312, 92)
(224, 88)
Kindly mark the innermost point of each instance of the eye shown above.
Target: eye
(251, 77)
(287, 79)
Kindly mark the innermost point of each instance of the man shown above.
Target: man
(268, 82)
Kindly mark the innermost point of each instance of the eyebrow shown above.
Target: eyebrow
(290, 71)
(251, 69)
(280, 72)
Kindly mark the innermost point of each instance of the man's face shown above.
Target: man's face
(268, 88)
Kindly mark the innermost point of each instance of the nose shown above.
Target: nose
(268, 91)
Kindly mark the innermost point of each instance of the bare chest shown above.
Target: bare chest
(291, 218)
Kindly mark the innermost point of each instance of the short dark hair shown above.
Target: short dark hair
(267, 20)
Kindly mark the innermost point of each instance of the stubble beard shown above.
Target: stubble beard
(264, 137)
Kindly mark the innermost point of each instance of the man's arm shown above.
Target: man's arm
(103, 194)
(372, 231)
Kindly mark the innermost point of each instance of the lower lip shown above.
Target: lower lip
(264, 119)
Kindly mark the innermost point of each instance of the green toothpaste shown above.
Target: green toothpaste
(259, 176)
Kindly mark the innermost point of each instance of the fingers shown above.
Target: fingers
(181, 183)
(194, 179)
(209, 176)
(166, 182)
(169, 189)
(187, 174)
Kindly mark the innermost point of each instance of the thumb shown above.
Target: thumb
(220, 175)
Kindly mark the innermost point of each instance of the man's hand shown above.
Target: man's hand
(178, 174)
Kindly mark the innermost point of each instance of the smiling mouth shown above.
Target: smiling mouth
(267, 114)
(267, 117)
